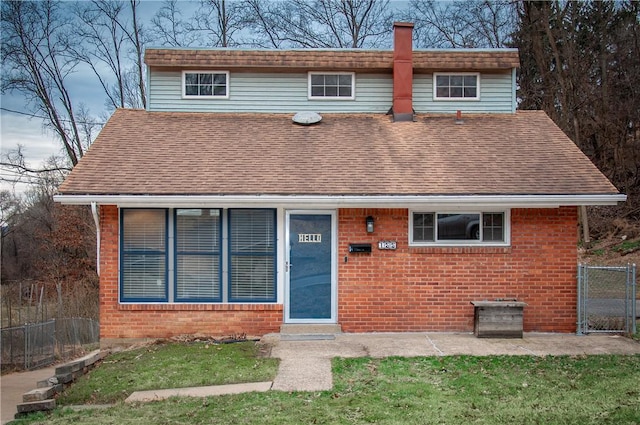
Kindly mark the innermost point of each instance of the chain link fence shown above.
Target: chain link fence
(607, 299)
(39, 344)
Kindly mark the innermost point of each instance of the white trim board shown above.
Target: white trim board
(344, 201)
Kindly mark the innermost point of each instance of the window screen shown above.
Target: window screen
(423, 227)
(144, 255)
(481, 227)
(456, 86)
(205, 84)
(198, 255)
(331, 85)
(252, 255)
(493, 227)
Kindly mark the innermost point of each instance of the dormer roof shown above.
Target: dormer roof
(328, 59)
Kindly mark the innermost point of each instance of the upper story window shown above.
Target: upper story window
(337, 85)
(459, 86)
(459, 228)
(205, 84)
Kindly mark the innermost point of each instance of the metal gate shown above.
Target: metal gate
(29, 346)
(607, 299)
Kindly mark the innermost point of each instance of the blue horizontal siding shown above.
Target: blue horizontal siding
(277, 93)
(495, 96)
(252, 92)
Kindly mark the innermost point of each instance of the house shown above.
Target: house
(375, 190)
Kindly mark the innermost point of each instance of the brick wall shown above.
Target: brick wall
(409, 289)
(420, 289)
(135, 321)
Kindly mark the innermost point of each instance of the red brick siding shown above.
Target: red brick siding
(409, 289)
(165, 320)
(430, 289)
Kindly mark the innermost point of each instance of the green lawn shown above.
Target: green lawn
(423, 390)
(170, 366)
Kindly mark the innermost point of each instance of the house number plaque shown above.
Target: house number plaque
(310, 238)
(387, 245)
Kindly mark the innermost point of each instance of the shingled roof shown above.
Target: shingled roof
(170, 153)
(322, 59)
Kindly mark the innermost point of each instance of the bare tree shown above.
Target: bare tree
(580, 62)
(49, 246)
(466, 24)
(137, 40)
(31, 215)
(15, 168)
(321, 23)
(11, 206)
(215, 23)
(218, 22)
(36, 45)
(111, 36)
(170, 28)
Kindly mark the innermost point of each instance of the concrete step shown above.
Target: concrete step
(36, 406)
(49, 382)
(81, 363)
(310, 329)
(41, 394)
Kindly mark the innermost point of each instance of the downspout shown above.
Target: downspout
(96, 219)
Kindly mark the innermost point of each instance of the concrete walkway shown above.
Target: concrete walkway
(305, 363)
(305, 360)
(155, 395)
(14, 385)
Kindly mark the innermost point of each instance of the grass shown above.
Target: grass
(626, 246)
(170, 365)
(422, 390)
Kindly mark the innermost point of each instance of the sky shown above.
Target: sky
(19, 127)
(39, 143)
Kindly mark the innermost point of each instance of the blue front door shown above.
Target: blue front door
(310, 290)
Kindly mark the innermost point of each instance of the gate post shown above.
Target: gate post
(26, 345)
(633, 298)
(581, 314)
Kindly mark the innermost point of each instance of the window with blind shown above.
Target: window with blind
(144, 255)
(198, 267)
(252, 255)
(198, 255)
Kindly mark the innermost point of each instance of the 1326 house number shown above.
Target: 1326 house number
(387, 245)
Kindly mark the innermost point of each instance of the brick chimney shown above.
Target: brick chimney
(402, 71)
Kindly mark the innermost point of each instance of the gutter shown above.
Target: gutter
(96, 219)
(342, 201)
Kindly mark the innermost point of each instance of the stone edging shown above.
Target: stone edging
(42, 398)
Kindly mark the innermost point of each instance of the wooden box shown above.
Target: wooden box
(498, 319)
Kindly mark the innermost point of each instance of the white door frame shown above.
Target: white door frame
(334, 266)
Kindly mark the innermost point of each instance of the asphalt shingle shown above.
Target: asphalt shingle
(337, 60)
(173, 153)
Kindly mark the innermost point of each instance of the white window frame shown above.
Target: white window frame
(454, 99)
(197, 71)
(353, 86)
(444, 243)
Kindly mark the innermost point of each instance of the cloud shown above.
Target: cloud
(37, 143)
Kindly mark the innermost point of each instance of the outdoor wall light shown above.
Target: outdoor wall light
(370, 224)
